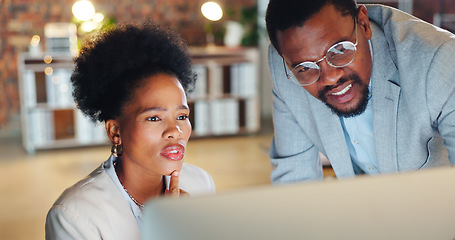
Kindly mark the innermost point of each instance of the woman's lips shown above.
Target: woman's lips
(174, 152)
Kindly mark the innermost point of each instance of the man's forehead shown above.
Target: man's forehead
(310, 41)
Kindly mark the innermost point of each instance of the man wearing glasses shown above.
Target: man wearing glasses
(372, 88)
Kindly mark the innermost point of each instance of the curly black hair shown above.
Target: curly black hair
(284, 14)
(111, 65)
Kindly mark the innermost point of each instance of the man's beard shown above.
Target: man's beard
(362, 105)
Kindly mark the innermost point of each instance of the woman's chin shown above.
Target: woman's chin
(174, 167)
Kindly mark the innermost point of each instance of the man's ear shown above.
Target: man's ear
(113, 131)
(363, 22)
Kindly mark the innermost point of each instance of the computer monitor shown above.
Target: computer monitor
(413, 205)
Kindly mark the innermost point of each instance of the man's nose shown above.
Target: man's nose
(329, 75)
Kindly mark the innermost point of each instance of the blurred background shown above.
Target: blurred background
(46, 145)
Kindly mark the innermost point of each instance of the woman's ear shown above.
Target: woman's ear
(113, 131)
(363, 22)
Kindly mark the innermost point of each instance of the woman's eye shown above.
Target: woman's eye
(183, 117)
(153, 119)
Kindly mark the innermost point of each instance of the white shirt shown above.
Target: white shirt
(95, 208)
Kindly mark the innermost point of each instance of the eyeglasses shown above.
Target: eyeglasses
(338, 56)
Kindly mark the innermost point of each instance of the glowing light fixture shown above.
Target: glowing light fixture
(98, 17)
(48, 71)
(88, 26)
(35, 40)
(47, 59)
(212, 11)
(83, 10)
(34, 48)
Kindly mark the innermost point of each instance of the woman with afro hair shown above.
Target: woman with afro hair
(134, 79)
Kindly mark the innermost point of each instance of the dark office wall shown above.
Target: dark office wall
(21, 19)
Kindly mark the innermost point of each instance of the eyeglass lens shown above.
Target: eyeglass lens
(339, 55)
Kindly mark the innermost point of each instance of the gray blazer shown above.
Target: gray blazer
(413, 83)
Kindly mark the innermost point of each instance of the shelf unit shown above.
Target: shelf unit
(225, 100)
(49, 116)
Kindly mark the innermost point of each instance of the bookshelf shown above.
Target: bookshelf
(49, 116)
(225, 100)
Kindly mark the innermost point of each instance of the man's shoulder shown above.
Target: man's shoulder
(406, 32)
(411, 42)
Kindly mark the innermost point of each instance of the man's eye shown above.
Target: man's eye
(303, 69)
(338, 49)
(183, 117)
(153, 119)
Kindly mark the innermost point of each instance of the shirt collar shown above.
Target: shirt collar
(110, 170)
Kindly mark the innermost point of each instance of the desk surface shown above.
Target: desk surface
(416, 205)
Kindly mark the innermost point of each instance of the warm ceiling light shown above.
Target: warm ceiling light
(48, 71)
(83, 10)
(212, 11)
(88, 26)
(98, 17)
(35, 40)
(47, 59)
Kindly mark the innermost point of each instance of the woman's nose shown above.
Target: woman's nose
(173, 131)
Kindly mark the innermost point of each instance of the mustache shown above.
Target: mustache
(323, 93)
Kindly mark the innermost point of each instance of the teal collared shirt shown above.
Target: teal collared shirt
(358, 132)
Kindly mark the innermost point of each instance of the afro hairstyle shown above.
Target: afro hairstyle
(112, 64)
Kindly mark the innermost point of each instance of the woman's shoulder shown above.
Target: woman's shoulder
(195, 180)
(85, 190)
(92, 205)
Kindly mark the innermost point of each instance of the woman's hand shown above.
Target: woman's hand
(174, 190)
